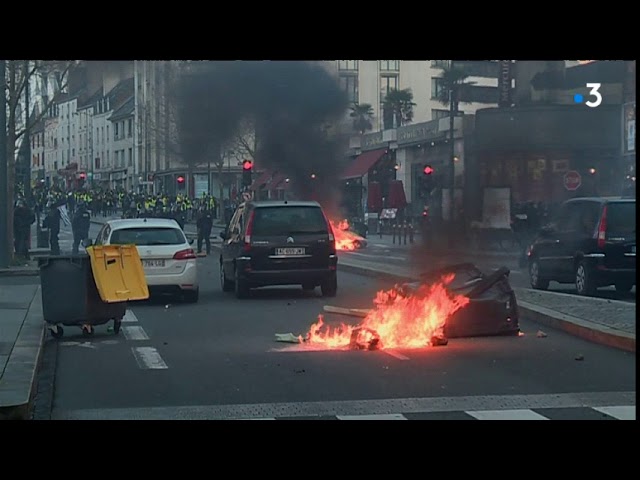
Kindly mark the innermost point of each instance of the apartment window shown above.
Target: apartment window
(130, 132)
(106, 139)
(73, 152)
(440, 63)
(388, 83)
(436, 114)
(33, 143)
(102, 135)
(131, 157)
(389, 65)
(349, 83)
(108, 157)
(348, 65)
(55, 165)
(115, 131)
(437, 87)
(97, 135)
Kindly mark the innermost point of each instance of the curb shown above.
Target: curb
(20, 273)
(19, 378)
(578, 327)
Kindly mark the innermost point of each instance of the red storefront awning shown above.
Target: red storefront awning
(362, 164)
(397, 198)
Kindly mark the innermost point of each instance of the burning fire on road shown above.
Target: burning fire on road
(408, 321)
(345, 240)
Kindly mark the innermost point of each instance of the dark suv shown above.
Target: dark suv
(278, 243)
(590, 242)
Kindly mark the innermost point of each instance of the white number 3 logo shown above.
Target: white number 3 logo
(594, 91)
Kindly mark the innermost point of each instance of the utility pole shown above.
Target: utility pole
(26, 138)
(452, 151)
(4, 201)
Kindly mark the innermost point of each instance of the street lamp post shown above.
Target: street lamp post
(452, 164)
(4, 217)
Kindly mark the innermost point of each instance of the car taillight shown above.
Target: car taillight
(332, 238)
(247, 234)
(185, 254)
(602, 228)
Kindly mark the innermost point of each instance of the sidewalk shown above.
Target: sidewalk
(608, 322)
(22, 331)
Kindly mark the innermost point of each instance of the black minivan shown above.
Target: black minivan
(278, 243)
(590, 242)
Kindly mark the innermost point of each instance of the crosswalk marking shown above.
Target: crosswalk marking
(620, 412)
(507, 415)
(388, 416)
(134, 332)
(148, 358)
(129, 317)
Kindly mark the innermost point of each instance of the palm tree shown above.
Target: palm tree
(362, 115)
(454, 81)
(398, 108)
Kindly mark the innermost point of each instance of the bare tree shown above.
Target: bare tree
(17, 79)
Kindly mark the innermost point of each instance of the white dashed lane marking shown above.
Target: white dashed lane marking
(621, 413)
(148, 358)
(129, 317)
(390, 416)
(134, 332)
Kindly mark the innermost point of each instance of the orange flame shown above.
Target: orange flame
(345, 240)
(400, 321)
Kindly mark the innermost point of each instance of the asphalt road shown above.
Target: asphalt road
(219, 359)
(519, 277)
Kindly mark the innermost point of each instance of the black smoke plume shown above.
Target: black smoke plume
(291, 103)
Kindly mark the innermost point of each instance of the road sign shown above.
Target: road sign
(572, 180)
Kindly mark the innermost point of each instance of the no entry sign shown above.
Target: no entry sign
(572, 180)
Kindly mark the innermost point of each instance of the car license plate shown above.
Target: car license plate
(153, 263)
(289, 251)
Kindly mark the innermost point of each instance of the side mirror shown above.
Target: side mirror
(223, 235)
(191, 240)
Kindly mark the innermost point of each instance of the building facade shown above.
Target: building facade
(369, 81)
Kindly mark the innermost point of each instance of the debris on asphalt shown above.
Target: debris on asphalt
(363, 338)
(521, 334)
(166, 307)
(287, 338)
(579, 357)
(165, 343)
(541, 334)
(299, 371)
(439, 341)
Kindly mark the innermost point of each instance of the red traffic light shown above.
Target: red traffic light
(180, 179)
(247, 165)
(83, 176)
(428, 170)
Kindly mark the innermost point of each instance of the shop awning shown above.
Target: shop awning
(397, 198)
(261, 180)
(362, 164)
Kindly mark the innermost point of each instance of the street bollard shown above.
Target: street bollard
(380, 228)
(404, 233)
(394, 227)
(411, 233)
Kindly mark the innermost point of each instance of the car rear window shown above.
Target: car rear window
(270, 221)
(621, 217)
(147, 236)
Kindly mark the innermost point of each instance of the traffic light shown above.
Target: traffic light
(427, 181)
(180, 181)
(83, 176)
(247, 169)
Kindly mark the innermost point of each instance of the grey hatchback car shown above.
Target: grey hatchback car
(278, 243)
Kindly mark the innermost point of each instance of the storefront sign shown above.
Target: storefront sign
(420, 132)
(372, 141)
(504, 84)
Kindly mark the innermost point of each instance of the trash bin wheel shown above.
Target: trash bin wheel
(56, 331)
(116, 326)
(87, 330)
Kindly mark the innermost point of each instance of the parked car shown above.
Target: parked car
(167, 257)
(278, 243)
(590, 242)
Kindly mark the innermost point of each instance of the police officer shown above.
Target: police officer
(52, 222)
(80, 226)
(23, 218)
(204, 224)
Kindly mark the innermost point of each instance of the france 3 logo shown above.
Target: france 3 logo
(595, 87)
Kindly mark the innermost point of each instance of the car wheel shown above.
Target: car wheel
(624, 287)
(584, 279)
(227, 286)
(329, 286)
(534, 276)
(191, 296)
(242, 289)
